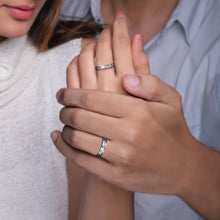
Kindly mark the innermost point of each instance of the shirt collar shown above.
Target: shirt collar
(81, 10)
(75, 9)
(190, 14)
(95, 6)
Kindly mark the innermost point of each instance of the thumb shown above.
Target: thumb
(151, 88)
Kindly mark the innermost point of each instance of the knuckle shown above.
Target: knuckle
(72, 64)
(74, 138)
(90, 48)
(69, 68)
(126, 158)
(86, 53)
(87, 99)
(83, 56)
(154, 85)
(133, 134)
(76, 117)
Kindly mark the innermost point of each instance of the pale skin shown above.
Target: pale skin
(10, 26)
(135, 158)
(114, 202)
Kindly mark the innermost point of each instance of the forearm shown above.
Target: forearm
(202, 189)
(102, 200)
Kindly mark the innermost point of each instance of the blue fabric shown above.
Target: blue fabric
(186, 55)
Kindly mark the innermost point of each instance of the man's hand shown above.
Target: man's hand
(149, 148)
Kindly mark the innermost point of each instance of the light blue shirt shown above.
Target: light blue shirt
(186, 55)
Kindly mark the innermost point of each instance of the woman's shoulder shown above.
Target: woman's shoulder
(63, 54)
(69, 49)
(74, 46)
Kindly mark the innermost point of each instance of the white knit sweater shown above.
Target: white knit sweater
(33, 176)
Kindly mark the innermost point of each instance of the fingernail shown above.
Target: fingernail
(58, 95)
(54, 136)
(132, 80)
(140, 44)
(119, 14)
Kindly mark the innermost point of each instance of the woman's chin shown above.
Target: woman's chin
(13, 33)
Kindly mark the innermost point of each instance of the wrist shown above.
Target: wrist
(192, 162)
(200, 186)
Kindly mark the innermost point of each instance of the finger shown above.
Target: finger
(102, 102)
(151, 88)
(73, 79)
(88, 79)
(140, 59)
(81, 140)
(83, 120)
(95, 165)
(122, 46)
(104, 47)
(90, 143)
(104, 57)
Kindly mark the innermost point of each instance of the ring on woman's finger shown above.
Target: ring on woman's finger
(108, 66)
(102, 148)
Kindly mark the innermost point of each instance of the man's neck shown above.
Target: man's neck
(143, 16)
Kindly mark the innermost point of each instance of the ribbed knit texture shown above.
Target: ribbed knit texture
(33, 175)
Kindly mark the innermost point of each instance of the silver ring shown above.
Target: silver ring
(104, 67)
(102, 148)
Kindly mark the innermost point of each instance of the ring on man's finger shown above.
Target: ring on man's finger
(108, 66)
(102, 148)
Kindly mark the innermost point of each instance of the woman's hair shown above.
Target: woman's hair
(47, 32)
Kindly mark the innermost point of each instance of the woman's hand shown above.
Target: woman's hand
(111, 47)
